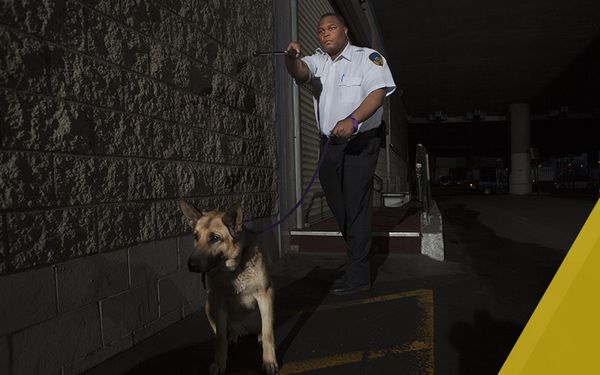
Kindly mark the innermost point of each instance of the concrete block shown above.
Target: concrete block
(3, 248)
(148, 97)
(156, 326)
(166, 184)
(24, 64)
(112, 177)
(226, 61)
(191, 109)
(76, 180)
(172, 222)
(227, 179)
(153, 260)
(4, 355)
(169, 65)
(108, 7)
(15, 13)
(117, 44)
(47, 346)
(125, 312)
(152, 179)
(121, 225)
(143, 16)
(82, 79)
(89, 279)
(204, 16)
(202, 145)
(166, 142)
(68, 24)
(35, 123)
(141, 179)
(178, 289)
(47, 237)
(194, 307)
(202, 80)
(232, 122)
(26, 180)
(207, 49)
(96, 357)
(196, 179)
(223, 118)
(19, 291)
(123, 135)
(184, 8)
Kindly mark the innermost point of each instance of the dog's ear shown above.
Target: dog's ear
(190, 212)
(233, 218)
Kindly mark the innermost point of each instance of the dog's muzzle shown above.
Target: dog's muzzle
(204, 263)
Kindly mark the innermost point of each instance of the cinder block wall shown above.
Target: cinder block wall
(110, 111)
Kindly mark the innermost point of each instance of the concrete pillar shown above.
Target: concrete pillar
(520, 179)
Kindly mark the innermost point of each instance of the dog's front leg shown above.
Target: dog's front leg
(265, 305)
(220, 362)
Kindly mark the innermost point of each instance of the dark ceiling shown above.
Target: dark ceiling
(465, 55)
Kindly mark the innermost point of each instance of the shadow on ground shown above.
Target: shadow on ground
(246, 355)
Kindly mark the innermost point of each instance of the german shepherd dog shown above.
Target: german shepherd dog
(238, 281)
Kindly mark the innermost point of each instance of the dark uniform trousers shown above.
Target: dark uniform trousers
(347, 180)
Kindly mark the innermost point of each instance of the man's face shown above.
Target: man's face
(332, 35)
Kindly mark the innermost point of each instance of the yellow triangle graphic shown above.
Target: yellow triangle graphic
(563, 334)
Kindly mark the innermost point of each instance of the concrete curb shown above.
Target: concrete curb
(432, 236)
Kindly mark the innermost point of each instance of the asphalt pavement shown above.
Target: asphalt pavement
(459, 316)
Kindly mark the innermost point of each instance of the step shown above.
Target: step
(395, 230)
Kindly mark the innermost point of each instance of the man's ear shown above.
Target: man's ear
(233, 218)
(190, 212)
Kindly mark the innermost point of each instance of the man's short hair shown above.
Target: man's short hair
(336, 15)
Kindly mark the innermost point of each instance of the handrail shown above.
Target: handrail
(423, 177)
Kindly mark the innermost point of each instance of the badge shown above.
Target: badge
(376, 58)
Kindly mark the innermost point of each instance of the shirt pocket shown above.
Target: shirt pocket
(350, 89)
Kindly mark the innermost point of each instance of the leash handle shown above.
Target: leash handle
(312, 181)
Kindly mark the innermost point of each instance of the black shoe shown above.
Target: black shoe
(338, 283)
(343, 289)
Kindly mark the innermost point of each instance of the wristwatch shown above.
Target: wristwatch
(354, 122)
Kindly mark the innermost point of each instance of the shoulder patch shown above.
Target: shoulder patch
(376, 58)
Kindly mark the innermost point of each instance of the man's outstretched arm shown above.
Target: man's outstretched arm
(295, 66)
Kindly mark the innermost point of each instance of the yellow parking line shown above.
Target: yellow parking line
(420, 293)
(348, 358)
(425, 333)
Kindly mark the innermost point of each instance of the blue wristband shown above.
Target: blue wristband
(354, 122)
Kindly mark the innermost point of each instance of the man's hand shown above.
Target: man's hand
(293, 47)
(343, 128)
(294, 65)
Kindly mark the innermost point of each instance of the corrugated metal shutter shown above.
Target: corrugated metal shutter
(309, 12)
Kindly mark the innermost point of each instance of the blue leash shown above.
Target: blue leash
(303, 197)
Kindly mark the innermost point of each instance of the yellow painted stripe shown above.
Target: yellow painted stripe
(425, 332)
(561, 336)
(427, 293)
(349, 358)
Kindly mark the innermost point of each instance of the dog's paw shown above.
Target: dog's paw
(216, 369)
(270, 367)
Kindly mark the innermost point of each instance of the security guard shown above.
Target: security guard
(349, 86)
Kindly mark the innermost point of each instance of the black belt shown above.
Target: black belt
(372, 133)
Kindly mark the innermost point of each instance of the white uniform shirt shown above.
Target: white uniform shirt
(347, 81)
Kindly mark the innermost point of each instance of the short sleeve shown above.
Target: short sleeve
(377, 74)
(311, 63)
